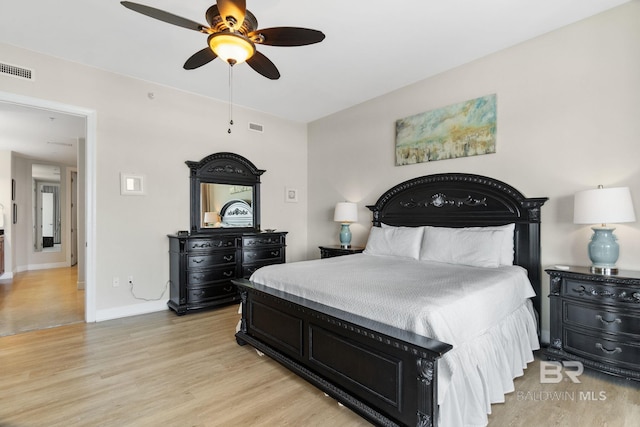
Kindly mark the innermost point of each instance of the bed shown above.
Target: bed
(393, 369)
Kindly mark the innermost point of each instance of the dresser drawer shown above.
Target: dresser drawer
(211, 259)
(249, 242)
(597, 292)
(265, 254)
(604, 320)
(606, 350)
(197, 278)
(218, 291)
(211, 243)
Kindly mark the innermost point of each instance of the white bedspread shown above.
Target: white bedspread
(483, 312)
(451, 303)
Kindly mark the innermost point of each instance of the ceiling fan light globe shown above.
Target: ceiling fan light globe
(232, 48)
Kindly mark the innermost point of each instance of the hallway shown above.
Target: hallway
(40, 299)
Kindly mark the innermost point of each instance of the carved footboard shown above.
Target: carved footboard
(387, 375)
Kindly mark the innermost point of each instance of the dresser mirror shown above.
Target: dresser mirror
(225, 193)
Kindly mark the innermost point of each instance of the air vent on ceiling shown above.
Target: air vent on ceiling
(15, 71)
(255, 127)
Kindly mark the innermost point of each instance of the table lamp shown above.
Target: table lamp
(211, 219)
(603, 206)
(345, 213)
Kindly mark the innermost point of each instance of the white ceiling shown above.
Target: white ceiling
(371, 47)
(45, 135)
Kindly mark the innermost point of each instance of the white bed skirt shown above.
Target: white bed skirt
(478, 373)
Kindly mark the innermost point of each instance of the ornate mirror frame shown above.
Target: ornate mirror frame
(223, 168)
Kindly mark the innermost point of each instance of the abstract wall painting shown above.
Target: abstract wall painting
(460, 130)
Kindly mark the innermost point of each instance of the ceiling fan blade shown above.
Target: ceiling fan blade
(200, 58)
(161, 15)
(232, 12)
(286, 36)
(264, 66)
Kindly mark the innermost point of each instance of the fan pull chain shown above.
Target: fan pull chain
(230, 98)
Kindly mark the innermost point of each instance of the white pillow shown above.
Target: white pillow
(474, 246)
(507, 251)
(395, 241)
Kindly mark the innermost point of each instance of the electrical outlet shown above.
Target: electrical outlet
(116, 282)
(130, 280)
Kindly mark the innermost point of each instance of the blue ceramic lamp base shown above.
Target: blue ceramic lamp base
(604, 251)
(345, 236)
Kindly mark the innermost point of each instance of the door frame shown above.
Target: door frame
(90, 186)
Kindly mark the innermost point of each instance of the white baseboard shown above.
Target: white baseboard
(131, 310)
(46, 266)
(8, 275)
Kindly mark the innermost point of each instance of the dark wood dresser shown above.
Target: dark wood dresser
(202, 265)
(595, 319)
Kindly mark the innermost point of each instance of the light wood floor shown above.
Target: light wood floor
(160, 369)
(40, 299)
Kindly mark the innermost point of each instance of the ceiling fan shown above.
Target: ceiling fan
(233, 35)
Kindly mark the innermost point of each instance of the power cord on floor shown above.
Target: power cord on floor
(148, 299)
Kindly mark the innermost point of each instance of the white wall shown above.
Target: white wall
(154, 137)
(567, 121)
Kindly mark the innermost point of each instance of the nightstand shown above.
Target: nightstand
(337, 250)
(595, 319)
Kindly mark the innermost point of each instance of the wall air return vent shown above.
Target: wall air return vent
(15, 71)
(255, 127)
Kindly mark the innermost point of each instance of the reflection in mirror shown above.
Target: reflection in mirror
(47, 216)
(224, 205)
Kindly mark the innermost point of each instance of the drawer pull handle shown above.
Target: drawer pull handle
(198, 277)
(212, 244)
(227, 273)
(228, 258)
(198, 261)
(580, 290)
(229, 289)
(606, 350)
(608, 322)
(275, 253)
(201, 245)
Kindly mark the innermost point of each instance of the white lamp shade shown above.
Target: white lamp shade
(603, 206)
(346, 212)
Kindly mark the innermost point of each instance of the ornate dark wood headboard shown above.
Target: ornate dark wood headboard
(466, 200)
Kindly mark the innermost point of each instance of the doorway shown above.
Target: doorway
(82, 208)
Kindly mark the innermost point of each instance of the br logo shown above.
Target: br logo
(552, 372)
